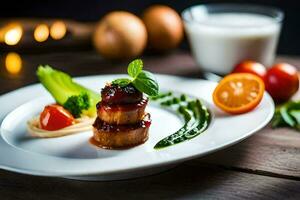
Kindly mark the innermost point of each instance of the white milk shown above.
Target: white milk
(220, 41)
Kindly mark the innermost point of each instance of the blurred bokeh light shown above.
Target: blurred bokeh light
(11, 34)
(13, 63)
(58, 30)
(41, 33)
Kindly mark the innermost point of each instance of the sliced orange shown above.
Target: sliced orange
(239, 93)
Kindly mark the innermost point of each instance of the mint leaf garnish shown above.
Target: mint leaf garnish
(142, 80)
(122, 82)
(135, 67)
(145, 82)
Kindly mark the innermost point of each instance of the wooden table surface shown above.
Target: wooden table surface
(264, 166)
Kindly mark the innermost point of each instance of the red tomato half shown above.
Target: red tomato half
(55, 117)
(252, 67)
(282, 81)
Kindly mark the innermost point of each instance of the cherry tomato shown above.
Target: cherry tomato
(282, 81)
(55, 117)
(252, 67)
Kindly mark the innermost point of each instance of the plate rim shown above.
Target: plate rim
(107, 172)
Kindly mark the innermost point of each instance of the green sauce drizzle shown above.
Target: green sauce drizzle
(194, 113)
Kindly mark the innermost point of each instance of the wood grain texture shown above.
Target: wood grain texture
(183, 182)
(274, 152)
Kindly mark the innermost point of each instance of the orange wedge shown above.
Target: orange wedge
(239, 93)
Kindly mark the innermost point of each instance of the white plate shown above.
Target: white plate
(73, 157)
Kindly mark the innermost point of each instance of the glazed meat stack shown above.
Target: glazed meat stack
(121, 119)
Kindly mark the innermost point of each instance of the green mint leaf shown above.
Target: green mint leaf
(145, 82)
(296, 115)
(135, 67)
(284, 111)
(122, 82)
(287, 115)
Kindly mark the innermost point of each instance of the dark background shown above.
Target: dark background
(93, 10)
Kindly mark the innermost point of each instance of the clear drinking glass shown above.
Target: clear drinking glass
(222, 35)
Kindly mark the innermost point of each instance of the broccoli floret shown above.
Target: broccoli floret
(74, 97)
(77, 103)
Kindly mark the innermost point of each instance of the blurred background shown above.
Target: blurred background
(60, 33)
(93, 10)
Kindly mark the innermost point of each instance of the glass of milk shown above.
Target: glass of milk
(222, 35)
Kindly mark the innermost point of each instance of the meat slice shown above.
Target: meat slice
(120, 136)
(122, 114)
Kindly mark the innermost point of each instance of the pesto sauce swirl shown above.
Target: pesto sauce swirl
(194, 113)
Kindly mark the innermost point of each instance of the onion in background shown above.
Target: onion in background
(164, 27)
(120, 35)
